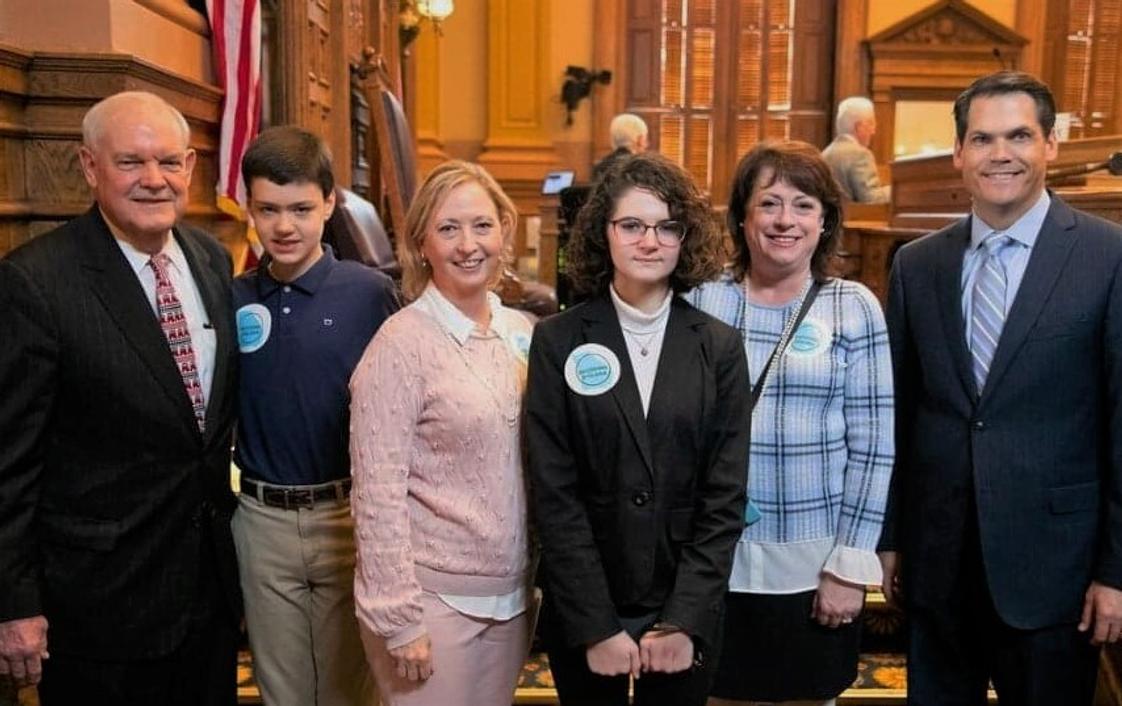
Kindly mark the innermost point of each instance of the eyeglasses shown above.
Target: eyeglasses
(631, 230)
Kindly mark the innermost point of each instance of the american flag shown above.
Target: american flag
(236, 39)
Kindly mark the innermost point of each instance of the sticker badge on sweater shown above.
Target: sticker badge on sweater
(254, 325)
(591, 369)
(810, 339)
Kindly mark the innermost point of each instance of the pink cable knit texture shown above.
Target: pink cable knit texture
(439, 497)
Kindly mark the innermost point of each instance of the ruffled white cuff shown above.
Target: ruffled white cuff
(854, 565)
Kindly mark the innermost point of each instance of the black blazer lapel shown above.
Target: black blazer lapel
(948, 281)
(217, 305)
(679, 347)
(1049, 255)
(602, 326)
(115, 284)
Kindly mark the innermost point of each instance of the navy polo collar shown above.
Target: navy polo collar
(308, 282)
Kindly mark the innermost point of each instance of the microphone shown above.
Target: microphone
(1113, 165)
(1000, 59)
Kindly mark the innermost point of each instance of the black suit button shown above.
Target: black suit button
(641, 498)
(979, 424)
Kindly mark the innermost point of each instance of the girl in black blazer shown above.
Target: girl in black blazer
(637, 434)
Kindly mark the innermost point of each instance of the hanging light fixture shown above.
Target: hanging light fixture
(436, 10)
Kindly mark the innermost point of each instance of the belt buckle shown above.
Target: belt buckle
(297, 498)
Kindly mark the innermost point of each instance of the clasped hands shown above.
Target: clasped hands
(23, 647)
(658, 650)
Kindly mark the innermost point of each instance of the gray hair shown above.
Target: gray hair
(626, 129)
(850, 111)
(93, 124)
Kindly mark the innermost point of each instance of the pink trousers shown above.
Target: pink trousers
(475, 661)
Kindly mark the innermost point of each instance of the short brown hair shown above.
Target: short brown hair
(415, 275)
(589, 261)
(800, 165)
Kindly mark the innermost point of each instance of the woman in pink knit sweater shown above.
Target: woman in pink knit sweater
(439, 498)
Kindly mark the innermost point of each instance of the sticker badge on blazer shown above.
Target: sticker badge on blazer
(254, 324)
(811, 338)
(591, 369)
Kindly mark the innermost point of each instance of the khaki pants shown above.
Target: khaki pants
(297, 575)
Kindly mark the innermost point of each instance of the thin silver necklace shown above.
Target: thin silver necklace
(509, 412)
(644, 343)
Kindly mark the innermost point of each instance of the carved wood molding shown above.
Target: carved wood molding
(934, 54)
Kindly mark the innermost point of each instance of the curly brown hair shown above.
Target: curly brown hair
(800, 165)
(588, 259)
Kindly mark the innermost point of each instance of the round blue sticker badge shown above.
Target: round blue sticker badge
(811, 338)
(591, 369)
(254, 325)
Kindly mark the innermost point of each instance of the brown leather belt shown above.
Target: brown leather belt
(296, 497)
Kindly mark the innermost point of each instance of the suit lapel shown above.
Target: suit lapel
(216, 304)
(117, 287)
(948, 274)
(602, 326)
(1049, 255)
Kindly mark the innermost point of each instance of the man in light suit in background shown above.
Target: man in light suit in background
(1005, 516)
(117, 366)
(849, 156)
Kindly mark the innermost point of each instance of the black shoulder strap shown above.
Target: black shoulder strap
(811, 295)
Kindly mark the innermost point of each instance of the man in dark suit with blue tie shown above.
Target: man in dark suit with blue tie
(1004, 535)
(117, 370)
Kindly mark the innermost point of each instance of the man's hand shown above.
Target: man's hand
(1102, 613)
(615, 655)
(414, 659)
(23, 646)
(891, 585)
(667, 651)
(837, 602)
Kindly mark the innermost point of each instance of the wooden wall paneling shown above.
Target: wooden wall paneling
(518, 149)
(43, 96)
(1031, 21)
(812, 85)
(851, 58)
(424, 65)
(608, 52)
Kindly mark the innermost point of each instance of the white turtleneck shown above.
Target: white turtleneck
(643, 334)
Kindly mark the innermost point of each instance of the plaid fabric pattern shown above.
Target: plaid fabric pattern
(174, 325)
(822, 432)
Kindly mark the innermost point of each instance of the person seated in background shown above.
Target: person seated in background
(304, 319)
(629, 136)
(849, 156)
(440, 500)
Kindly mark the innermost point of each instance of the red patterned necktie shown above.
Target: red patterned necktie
(174, 325)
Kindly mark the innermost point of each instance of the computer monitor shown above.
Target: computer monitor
(555, 181)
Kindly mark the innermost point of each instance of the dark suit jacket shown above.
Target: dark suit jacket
(638, 513)
(112, 504)
(1039, 453)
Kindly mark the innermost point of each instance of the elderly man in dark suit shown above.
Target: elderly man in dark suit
(117, 370)
(1005, 517)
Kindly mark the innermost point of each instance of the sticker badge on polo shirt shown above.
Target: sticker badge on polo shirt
(591, 369)
(254, 325)
(810, 339)
(520, 344)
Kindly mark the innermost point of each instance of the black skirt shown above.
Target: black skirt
(774, 651)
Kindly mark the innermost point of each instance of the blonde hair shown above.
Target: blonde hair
(415, 273)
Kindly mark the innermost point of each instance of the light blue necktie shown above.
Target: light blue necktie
(987, 308)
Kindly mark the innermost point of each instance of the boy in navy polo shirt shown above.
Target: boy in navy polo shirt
(304, 319)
